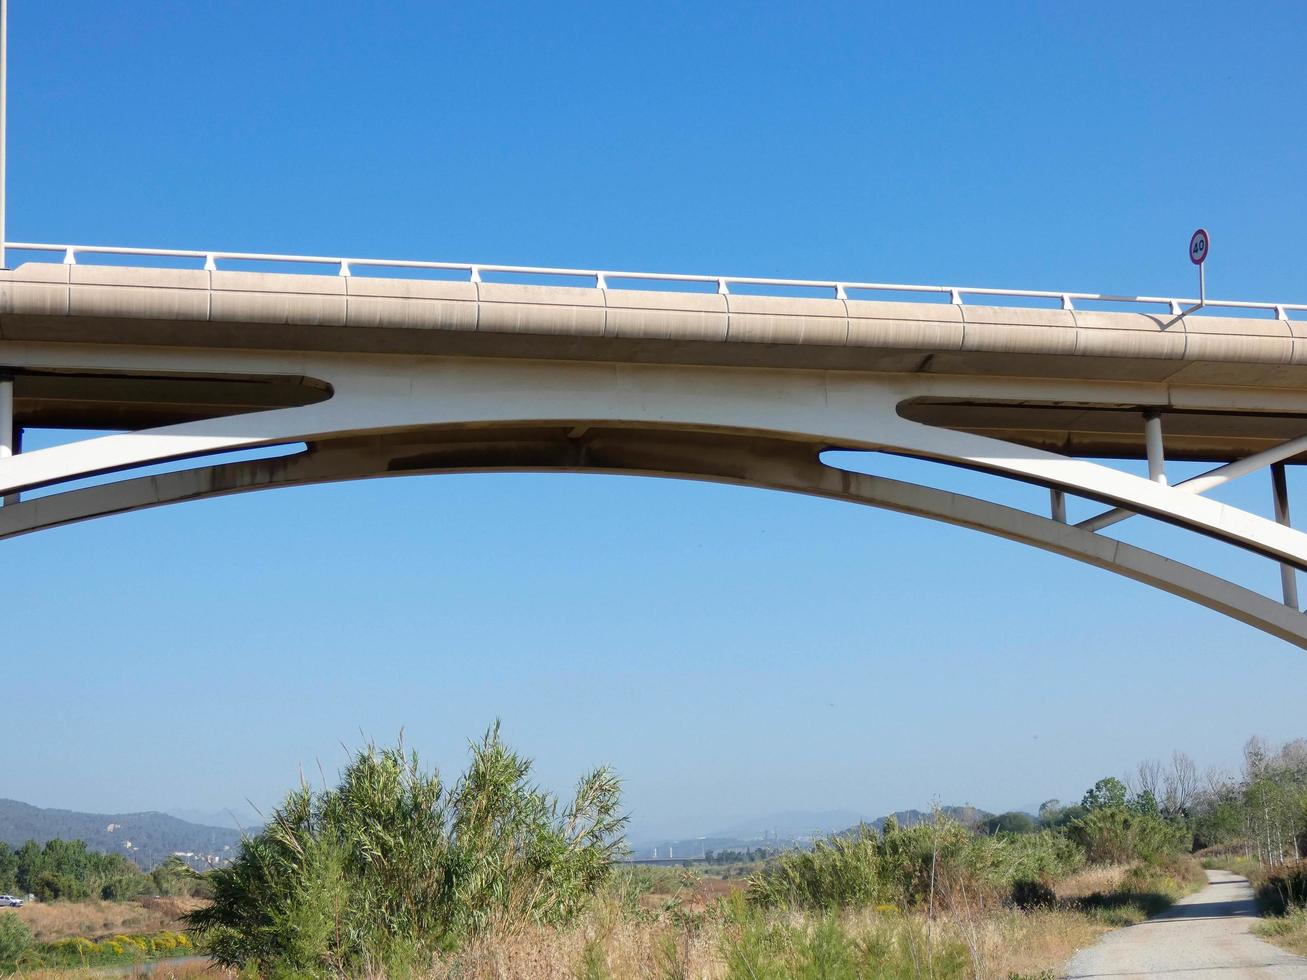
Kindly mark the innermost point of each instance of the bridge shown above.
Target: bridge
(373, 368)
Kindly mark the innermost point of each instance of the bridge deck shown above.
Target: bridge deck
(43, 303)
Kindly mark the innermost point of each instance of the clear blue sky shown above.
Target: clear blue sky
(730, 651)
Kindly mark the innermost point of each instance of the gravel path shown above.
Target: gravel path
(1203, 936)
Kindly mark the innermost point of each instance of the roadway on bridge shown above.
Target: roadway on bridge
(1206, 935)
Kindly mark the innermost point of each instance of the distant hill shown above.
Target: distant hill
(787, 829)
(146, 838)
(788, 823)
(968, 816)
(244, 818)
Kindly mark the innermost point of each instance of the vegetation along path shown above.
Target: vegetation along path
(1205, 935)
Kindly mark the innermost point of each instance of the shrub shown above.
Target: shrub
(392, 864)
(893, 949)
(1282, 887)
(1027, 894)
(900, 865)
(837, 873)
(1120, 835)
(15, 939)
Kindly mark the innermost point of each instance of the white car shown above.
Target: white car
(10, 902)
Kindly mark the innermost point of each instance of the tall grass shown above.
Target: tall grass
(391, 865)
(929, 864)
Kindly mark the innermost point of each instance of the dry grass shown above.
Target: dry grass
(99, 920)
(999, 943)
(1029, 943)
(626, 947)
(1287, 931)
(691, 941)
(1097, 879)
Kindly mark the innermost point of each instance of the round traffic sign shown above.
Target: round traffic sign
(1199, 245)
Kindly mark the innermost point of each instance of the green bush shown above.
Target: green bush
(901, 866)
(392, 864)
(78, 951)
(15, 939)
(1121, 834)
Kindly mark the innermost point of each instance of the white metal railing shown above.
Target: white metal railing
(839, 288)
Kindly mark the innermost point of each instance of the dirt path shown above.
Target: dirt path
(1203, 936)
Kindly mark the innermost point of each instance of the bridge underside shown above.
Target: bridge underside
(741, 390)
(755, 461)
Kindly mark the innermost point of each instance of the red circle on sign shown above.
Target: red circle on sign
(1199, 235)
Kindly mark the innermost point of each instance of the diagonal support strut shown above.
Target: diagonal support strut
(1206, 481)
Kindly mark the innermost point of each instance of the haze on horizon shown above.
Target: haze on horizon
(731, 652)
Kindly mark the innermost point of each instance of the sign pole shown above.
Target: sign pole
(1200, 244)
(4, 86)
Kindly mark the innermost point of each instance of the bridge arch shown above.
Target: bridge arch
(746, 459)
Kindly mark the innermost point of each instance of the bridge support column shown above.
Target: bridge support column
(1280, 489)
(8, 431)
(1057, 505)
(1153, 443)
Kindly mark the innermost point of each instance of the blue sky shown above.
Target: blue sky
(730, 651)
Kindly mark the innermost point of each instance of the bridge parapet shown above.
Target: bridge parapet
(367, 314)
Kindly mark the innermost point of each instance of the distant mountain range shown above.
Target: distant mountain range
(146, 838)
(791, 828)
(968, 816)
(790, 823)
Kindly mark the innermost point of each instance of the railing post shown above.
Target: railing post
(721, 288)
(1153, 445)
(1280, 490)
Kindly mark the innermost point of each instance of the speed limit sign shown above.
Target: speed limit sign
(1199, 245)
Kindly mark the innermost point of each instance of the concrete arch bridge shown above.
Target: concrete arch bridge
(389, 368)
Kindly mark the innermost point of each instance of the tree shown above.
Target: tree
(8, 869)
(393, 864)
(1180, 788)
(1107, 792)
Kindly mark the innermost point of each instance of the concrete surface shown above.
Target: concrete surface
(1203, 936)
(471, 376)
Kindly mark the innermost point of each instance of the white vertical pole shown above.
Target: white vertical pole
(1280, 490)
(1153, 444)
(4, 92)
(7, 424)
(6, 415)
(1057, 505)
